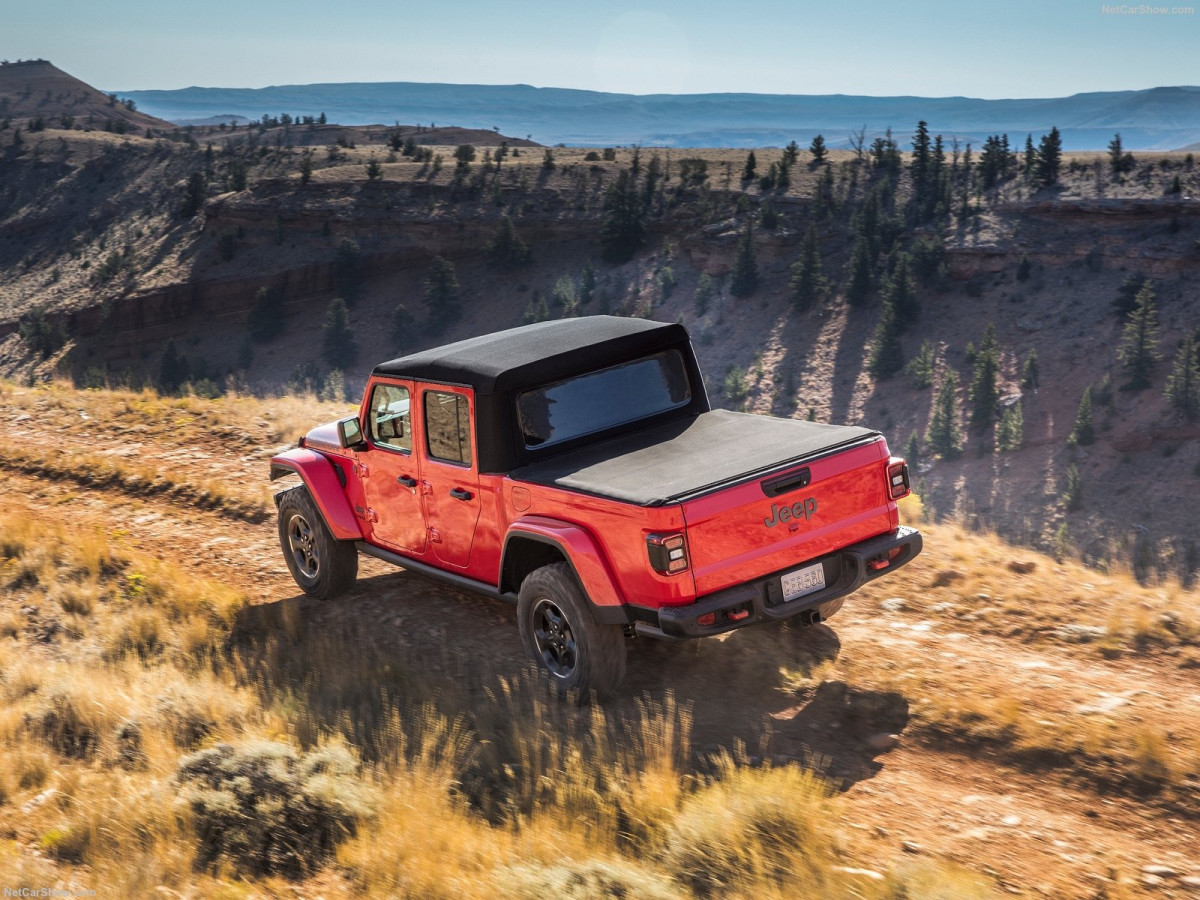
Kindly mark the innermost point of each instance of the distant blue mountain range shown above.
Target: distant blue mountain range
(1164, 118)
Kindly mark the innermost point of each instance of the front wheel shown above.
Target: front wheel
(561, 636)
(322, 566)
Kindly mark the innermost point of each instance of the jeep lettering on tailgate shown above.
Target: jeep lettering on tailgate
(576, 469)
(801, 509)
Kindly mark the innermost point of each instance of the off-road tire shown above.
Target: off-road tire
(560, 635)
(322, 566)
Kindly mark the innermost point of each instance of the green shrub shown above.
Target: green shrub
(266, 810)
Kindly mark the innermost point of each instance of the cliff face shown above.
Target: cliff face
(284, 236)
(1123, 233)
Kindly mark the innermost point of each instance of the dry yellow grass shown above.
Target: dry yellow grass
(511, 798)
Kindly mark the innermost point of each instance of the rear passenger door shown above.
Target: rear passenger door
(449, 471)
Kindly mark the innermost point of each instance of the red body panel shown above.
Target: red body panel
(618, 531)
(317, 472)
(730, 542)
(582, 552)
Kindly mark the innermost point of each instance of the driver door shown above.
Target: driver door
(392, 482)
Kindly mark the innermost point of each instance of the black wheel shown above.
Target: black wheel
(561, 636)
(322, 566)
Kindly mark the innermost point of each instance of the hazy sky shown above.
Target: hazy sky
(1020, 48)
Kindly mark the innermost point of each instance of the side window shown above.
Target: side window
(391, 419)
(448, 427)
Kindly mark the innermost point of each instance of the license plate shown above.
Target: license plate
(803, 581)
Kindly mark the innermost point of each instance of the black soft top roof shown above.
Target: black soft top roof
(536, 354)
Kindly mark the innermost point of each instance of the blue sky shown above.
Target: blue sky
(1019, 48)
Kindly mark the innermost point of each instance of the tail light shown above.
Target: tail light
(897, 473)
(883, 560)
(668, 553)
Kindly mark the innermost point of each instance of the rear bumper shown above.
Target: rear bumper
(756, 602)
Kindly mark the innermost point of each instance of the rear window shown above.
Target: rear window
(598, 400)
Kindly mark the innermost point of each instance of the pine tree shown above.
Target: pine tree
(1116, 151)
(1023, 268)
(1073, 489)
(623, 228)
(1183, 384)
(1126, 300)
(921, 368)
(1084, 432)
(587, 283)
(887, 356)
(266, 315)
(921, 163)
(1031, 157)
(442, 293)
(902, 292)
(993, 161)
(338, 346)
(1138, 350)
(808, 284)
(374, 169)
(751, 167)
(818, 150)
(1050, 157)
(860, 284)
(538, 310)
(823, 194)
(1118, 160)
(1029, 372)
(505, 249)
(743, 281)
(704, 292)
(306, 167)
(194, 194)
(983, 392)
(791, 154)
(1010, 432)
(912, 449)
(464, 155)
(944, 435)
(783, 177)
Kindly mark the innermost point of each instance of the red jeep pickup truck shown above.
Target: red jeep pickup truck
(576, 468)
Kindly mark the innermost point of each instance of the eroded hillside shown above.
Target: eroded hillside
(115, 247)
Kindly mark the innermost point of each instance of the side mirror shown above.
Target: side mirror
(350, 434)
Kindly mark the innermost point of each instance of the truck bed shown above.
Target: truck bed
(667, 463)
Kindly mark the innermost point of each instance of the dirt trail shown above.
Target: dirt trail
(1035, 834)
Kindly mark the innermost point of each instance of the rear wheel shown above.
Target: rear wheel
(322, 566)
(561, 636)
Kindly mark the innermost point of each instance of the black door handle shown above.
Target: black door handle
(407, 482)
(460, 494)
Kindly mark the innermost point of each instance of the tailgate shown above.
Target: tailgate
(796, 513)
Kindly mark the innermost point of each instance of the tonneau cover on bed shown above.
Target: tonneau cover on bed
(667, 462)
